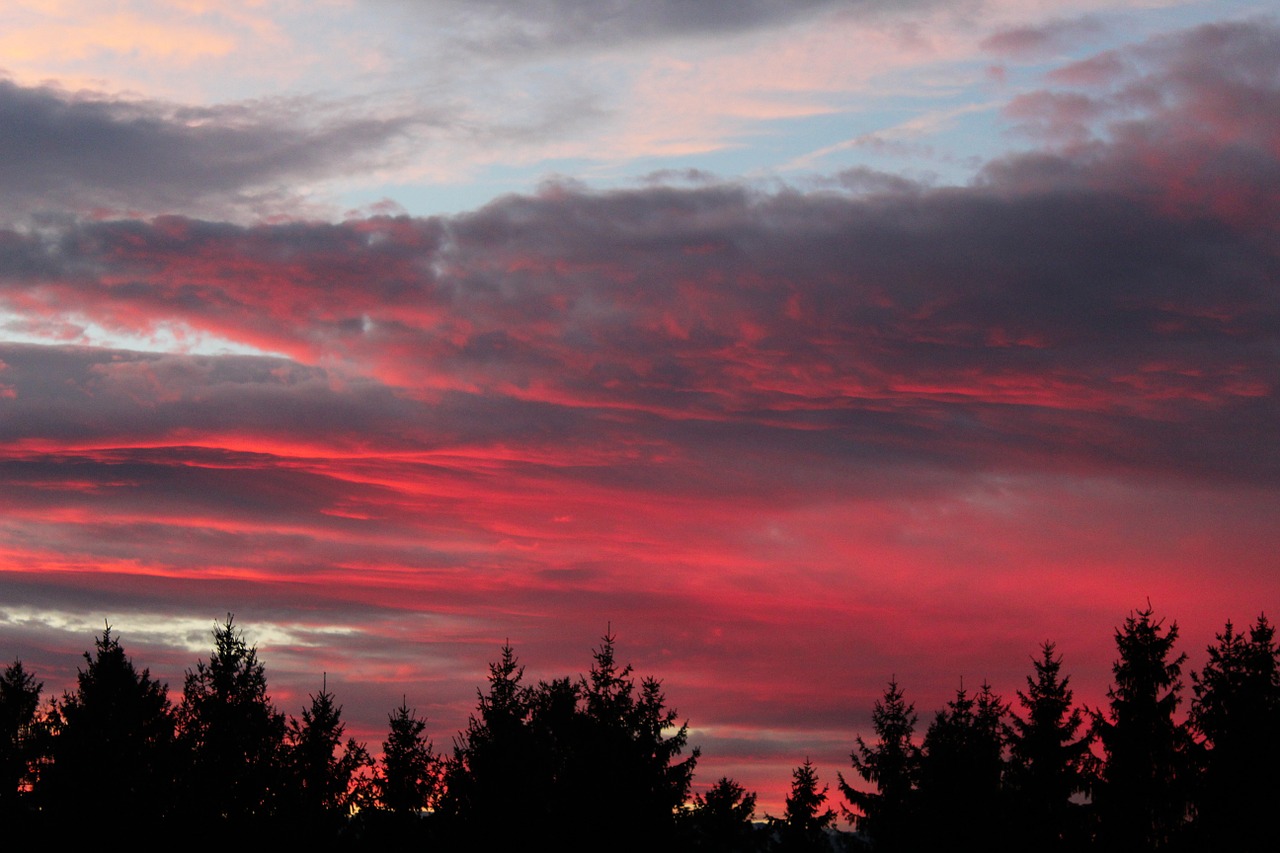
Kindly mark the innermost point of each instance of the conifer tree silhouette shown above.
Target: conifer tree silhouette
(1236, 710)
(19, 701)
(632, 770)
(491, 792)
(721, 819)
(804, 823)
(570, 760)
(113, 743)
(1049, 760)
(327, 774)
(1143, 794)
(887, 815)
(595, 762)
(407, 779)
(961, 774)
(231, 734)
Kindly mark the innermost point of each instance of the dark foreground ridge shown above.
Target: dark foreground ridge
(599, 762)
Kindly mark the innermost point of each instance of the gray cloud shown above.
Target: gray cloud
(1016, 323)
(507, 27)
(80, 151)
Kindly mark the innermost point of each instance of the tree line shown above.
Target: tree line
(600, 762)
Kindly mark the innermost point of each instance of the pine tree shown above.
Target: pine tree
(491, 790)
(1236, 710)
(990, 740)
(569, 760)
(804, 822)
(626, 768)
(408, 776)
(1142, 797)
(1048, 759)
(113, 743)
(19, 701)
(721, 819)
(893, 766)
(327, 774)
(232, 735)
(961, 771)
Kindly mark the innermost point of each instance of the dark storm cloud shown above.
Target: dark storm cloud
(64, 150)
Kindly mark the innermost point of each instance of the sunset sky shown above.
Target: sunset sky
(805, 344)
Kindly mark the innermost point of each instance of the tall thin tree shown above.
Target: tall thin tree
(406, 780)
(232, 735)
(892, 764)
(1143, 796)
(805, 821)
(1049, 758)
(327, 774)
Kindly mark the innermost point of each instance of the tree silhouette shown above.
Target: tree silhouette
(231, 734)
(1048, 759)
(113, 743)
(598, 761)
(804, 822)
(1236, 710)
(407, 778)
(491, 789)
(327, 774)
(961, 772)
(893, 766)
(721, 819)
(19, 701)
(568, 760)
(1142, 797)
(631, 766)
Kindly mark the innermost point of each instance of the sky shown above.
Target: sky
(801, 345)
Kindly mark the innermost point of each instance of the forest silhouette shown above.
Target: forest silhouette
(600, 762)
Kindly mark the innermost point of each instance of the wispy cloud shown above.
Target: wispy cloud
(900, 135)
